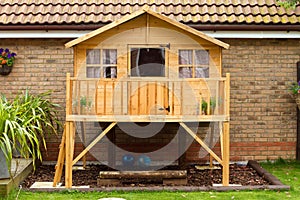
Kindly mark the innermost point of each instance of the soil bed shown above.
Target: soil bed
(239, 174)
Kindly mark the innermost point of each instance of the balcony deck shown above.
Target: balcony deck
(147, 118)
(147, 100)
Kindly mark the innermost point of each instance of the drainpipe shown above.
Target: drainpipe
(298, 119)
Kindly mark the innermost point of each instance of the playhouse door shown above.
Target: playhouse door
(149, 94)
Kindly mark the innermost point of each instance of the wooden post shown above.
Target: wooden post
(226, 142)
(227, 92)
(68, 167)
(68, 95)
(60, 160)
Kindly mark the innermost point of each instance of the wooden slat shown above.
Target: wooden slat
(60, 160)
(221, 139)
(68, 95)
(147, 118)
(226, 154)
(97, 139)
(227, 90)
(216, 111)
(201, 142)
(68, 167)
(144, 174)
(104, 93)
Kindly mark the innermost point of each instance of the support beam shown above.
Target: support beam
(226, 142)
(201, 142)
(69, 153)
(60, 160)
(97, 139)
(227, 94)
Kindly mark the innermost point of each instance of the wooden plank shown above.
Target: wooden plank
(201, 142)
(110, 182)
(95, 141)
(68, 167)
(227, 90)
(148, 118)
(83, 135)
(68, 95)
(144, 174)
(225, 164)
(221, 139)
(60, 160)
(175, 181)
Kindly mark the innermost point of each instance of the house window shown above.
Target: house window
(101, 63)
(147, 62)
(193, 63)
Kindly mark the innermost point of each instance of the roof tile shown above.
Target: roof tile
(104, 11)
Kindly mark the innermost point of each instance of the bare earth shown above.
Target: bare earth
(239, 174)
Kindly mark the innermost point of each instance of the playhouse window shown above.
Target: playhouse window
(147, 62)
(101, 63)
(193, 63)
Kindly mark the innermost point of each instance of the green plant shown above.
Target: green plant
(85, 102)
(288, 3)
(295, 88)
(212, 104)
(7, 57)
(24, 123)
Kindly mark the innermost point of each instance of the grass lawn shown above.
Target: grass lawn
(287, 171)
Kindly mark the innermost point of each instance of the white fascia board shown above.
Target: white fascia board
(253, 34)
(215, 34)
(42, 34)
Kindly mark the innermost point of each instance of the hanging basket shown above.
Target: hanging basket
(5, 70)
(297, 98)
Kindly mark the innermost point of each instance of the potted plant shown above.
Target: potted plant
(7, 59)
(85, 105)
(212, 105)
(295, 89)
(24, 123)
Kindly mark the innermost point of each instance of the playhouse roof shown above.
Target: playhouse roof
(76, 13)
(145, 10)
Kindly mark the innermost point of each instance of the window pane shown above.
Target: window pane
(110, 72)
(93, 72)
(93, 56)
(202, 72)
(109, 56)
(201, 57)
(185, 57)
(185, 72)
(147, 62)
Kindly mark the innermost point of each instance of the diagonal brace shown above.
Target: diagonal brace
(97, 139)
(201, 142)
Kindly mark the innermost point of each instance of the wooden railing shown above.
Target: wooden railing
(142, 96)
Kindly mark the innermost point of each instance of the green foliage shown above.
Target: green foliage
(212, 104)
(84, 102)
(295, 88)
(288, 3)
(24, 123)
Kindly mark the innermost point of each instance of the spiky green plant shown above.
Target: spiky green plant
(24, 123)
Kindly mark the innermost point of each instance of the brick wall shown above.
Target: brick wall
(263, 115)
(41, 65)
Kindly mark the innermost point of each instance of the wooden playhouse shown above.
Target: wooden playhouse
(145, 67)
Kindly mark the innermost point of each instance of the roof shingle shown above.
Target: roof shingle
(18, 12)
